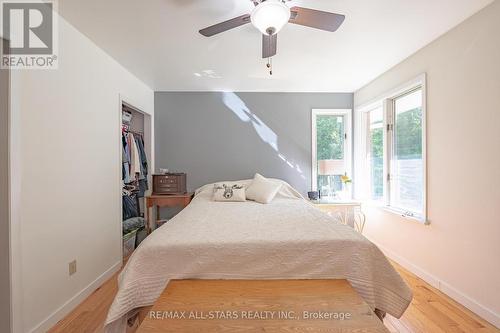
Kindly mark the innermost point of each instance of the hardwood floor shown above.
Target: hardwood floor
(90, 315)
(433, 311)
(430, 312)
(273, 301)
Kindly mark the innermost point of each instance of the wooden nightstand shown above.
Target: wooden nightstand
(349, 212)
(158, 201)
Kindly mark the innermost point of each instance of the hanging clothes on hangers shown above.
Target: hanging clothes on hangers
(133, 161)
(125, 160)
(143, 177)
(142, 155)
(135, 165)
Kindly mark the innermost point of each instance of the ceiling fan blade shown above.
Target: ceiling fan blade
(226, 25)
(316, 18)
(269, 45)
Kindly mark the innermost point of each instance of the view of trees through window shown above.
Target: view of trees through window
(409, 134)
(330, 137)
(376, 138)
(330, 146)
(407, 166)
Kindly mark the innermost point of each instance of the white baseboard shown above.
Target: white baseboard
(72, 303)
(457, 295)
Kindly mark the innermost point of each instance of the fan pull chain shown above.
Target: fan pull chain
(270, 59)
(270, 65)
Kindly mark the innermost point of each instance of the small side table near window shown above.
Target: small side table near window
(348, 212)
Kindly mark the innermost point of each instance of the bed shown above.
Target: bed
(285, 239)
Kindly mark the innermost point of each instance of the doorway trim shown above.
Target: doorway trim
(14, 200)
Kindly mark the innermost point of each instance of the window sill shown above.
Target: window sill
(395, 211)
(401, 213)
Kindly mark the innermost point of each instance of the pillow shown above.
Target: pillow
(262, 189)
(229, 192)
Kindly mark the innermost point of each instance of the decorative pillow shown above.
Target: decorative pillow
(229, 192)
(262, 189)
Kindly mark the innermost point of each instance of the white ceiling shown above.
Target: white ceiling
(158, 41)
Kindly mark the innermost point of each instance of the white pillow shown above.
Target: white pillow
(229, 192)
(262, 189)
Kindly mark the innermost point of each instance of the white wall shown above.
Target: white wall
(67, 172)
(4, 203)
(460, 251)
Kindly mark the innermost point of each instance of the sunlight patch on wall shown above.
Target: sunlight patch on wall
(266, 134)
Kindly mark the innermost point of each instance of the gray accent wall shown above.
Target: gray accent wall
(215, 136)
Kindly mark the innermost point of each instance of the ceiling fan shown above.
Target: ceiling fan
(270, 16)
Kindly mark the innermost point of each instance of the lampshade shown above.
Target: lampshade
(270, 16)
(331, 167)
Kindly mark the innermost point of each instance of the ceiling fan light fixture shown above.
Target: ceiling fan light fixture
(270, 16)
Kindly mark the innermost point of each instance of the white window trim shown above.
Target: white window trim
(386, 100)
(347, 113)
(360, 147)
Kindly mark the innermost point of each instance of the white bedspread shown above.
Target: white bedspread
(287, 238)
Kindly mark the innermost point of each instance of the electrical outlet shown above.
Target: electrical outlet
(72, 267)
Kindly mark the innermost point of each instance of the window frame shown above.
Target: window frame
(364, 177)
(387, 101)
(348, 142)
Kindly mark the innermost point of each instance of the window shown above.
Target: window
(406, 168)
(331, 152)
(375, 152)
(391, 157)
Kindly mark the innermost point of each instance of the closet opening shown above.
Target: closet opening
(136, 166)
